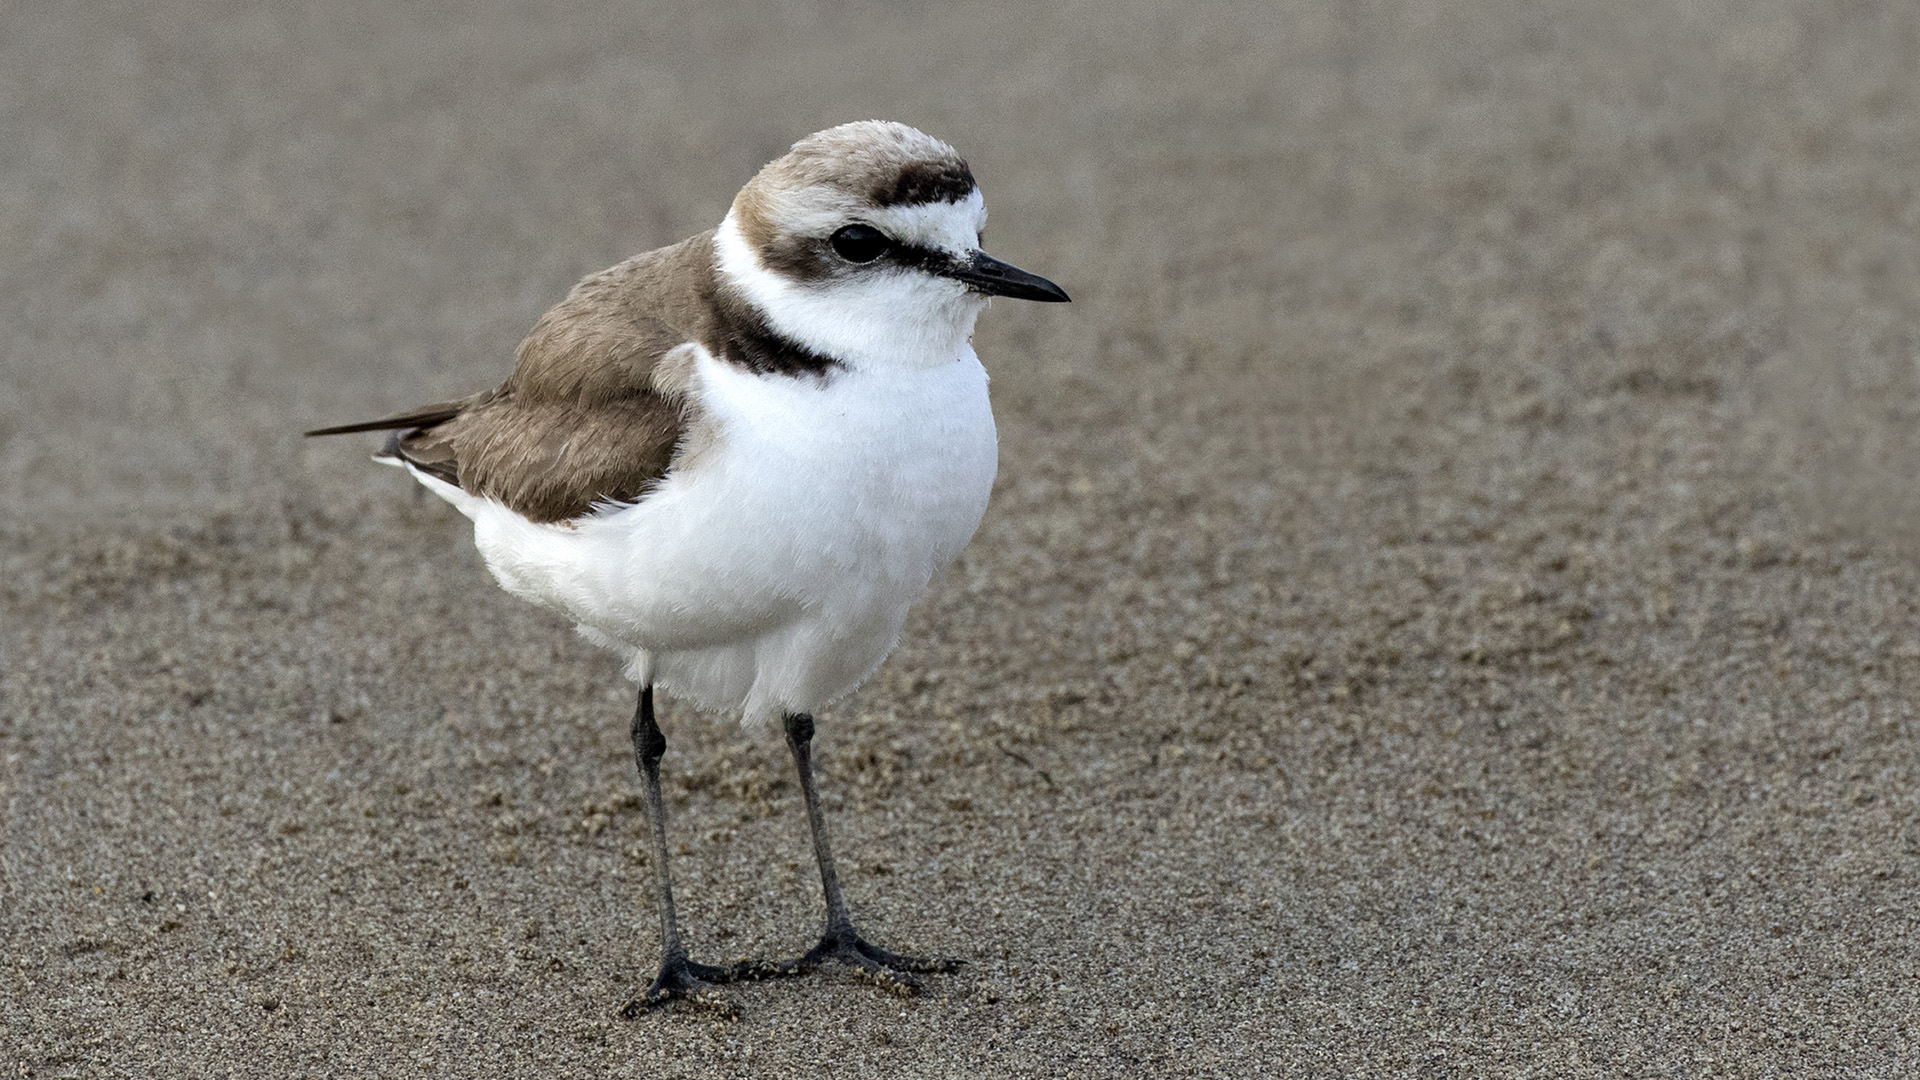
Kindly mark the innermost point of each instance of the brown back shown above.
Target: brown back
(582, 420)
(590, 414)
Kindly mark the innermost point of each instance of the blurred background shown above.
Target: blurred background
(226, 222)
(1448, 607)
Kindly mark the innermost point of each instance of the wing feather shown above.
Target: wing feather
(586, 418)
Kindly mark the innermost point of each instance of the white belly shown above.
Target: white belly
(772, 570)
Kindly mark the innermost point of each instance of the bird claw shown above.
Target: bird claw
(888, 970)
(699, 985)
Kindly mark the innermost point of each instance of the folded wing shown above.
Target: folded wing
(594, 411)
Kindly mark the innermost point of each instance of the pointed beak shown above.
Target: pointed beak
(985, 274)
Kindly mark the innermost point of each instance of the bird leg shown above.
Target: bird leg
(679, 977)
(839, 941)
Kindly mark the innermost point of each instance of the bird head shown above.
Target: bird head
(862, 243)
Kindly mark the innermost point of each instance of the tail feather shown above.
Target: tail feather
(412, 440)
(426, 416)
(422, 450)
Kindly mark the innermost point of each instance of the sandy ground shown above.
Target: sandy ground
(1448, 609)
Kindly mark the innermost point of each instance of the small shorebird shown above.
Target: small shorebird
(737, 461)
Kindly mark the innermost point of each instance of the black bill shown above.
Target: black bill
(986, 274)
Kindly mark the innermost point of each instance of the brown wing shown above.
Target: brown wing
(588, 415)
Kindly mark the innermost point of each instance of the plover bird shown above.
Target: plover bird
(737, 461)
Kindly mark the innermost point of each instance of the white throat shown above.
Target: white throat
(899, 320)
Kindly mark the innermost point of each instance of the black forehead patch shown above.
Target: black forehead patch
(947, 181)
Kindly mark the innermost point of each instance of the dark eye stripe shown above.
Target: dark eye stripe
(903, 256)
(914, 257)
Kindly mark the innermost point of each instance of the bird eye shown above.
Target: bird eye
(860, 243)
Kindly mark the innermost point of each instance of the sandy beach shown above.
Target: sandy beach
(1449, 608)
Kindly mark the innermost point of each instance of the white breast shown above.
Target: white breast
(772, 570)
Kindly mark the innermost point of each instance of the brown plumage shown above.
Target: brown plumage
(590, 414)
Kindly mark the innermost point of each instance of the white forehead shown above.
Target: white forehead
(947, 226)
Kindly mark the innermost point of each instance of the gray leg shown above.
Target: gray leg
(838, 940)
(679, 977)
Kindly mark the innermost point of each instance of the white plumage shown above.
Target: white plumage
(771, 572)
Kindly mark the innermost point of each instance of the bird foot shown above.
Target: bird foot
(889, 971)
(699, 985)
